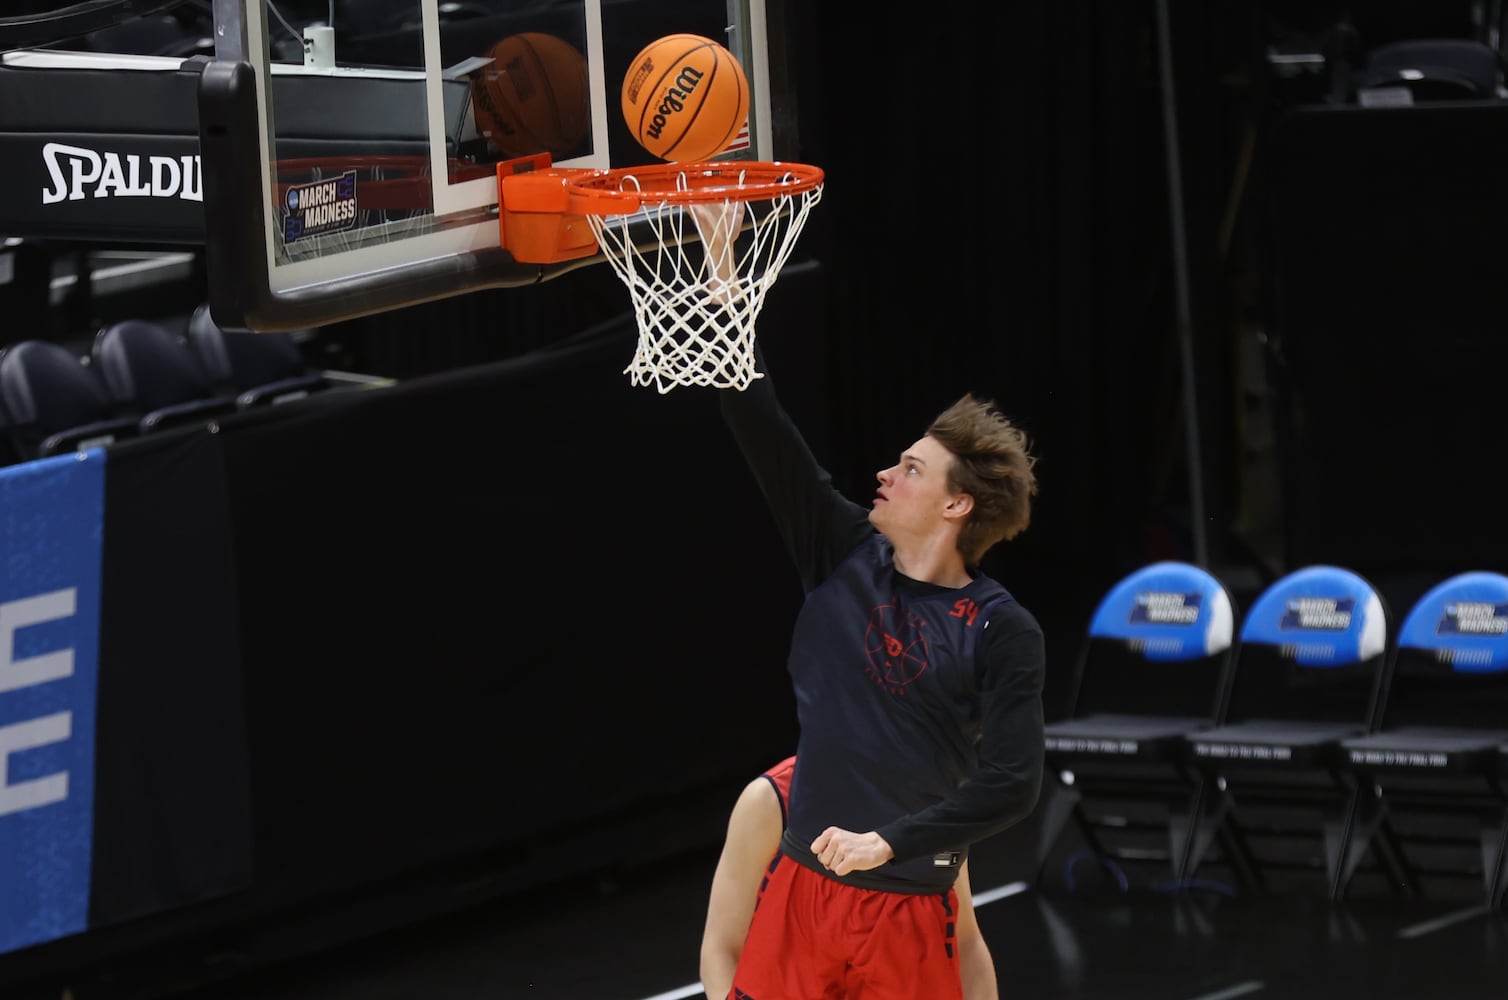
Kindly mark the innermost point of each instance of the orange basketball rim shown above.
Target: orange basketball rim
(542, 209)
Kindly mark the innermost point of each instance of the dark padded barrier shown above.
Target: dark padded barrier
(494, 605)
(383, 653)
(172, 808)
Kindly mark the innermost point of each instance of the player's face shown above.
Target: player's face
(913, 493)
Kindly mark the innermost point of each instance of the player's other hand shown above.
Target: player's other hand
(843, 851)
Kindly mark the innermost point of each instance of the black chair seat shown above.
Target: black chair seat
(1300, 742)
(1433, 748)
(1131, 735)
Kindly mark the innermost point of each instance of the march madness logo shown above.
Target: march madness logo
(320, 207)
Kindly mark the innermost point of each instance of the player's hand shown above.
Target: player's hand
(843, 851)
(718, 224)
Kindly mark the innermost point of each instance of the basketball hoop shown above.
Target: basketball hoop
(698, 245)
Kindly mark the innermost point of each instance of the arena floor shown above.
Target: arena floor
(637, 939)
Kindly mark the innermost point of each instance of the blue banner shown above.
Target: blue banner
(51, 538)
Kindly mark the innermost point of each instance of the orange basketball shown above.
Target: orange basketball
(685, 98)
(533, 97)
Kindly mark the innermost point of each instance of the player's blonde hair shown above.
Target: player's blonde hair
(993, 463)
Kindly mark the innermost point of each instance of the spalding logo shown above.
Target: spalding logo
(77, 172)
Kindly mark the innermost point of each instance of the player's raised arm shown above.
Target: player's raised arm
(717, 225)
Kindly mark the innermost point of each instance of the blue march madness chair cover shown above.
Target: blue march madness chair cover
(1153, 667)
(1436, 754)
(1310, 669)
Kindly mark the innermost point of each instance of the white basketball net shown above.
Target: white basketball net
(696, 309)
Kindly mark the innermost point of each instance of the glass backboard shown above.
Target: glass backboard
(350, 147)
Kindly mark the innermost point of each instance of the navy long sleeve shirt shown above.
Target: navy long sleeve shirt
(920, 706)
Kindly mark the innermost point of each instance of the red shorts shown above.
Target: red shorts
(814, 938)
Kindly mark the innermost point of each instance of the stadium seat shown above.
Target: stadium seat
(154, 377)
(257, 368)
(1153, 667)
(1310, 670)
(1430, 69)
(1436, 755)
(54, 402)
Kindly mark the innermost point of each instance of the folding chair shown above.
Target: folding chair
(1310, 670)
(1436, 755)
(1153, 667)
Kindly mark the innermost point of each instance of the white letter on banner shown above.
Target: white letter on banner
(32, 611)
(24, 736)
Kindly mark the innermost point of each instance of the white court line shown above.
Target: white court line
(694, 990)
(1238, 990)
(1440, 923)
(990, 895)
(980, 899)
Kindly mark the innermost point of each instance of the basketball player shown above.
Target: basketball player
(918, 684)
(754, 830)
